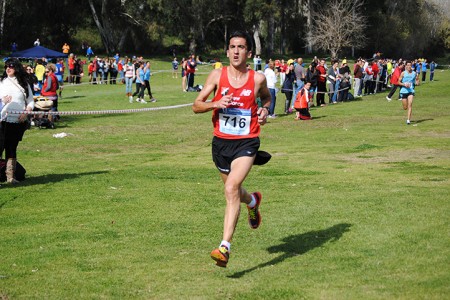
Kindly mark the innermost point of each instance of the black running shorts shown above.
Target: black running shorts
(225, 151)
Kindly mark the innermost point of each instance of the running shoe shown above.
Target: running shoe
(254, 216)
(221, 256)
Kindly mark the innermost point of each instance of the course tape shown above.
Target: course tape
(97, 112)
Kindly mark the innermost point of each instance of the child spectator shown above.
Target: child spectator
(301, 103)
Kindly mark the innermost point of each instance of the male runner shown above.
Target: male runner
(236, 119)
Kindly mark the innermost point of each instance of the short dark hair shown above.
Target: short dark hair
(244, 35)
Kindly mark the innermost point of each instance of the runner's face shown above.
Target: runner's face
(408, 67)
(237, 51)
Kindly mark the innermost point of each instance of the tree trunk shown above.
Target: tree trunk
(105, 30)
(308, 48)
(270, 35)
(192, 43)
(225, 36)
(257, 50)
(283, 32)
(2, 23)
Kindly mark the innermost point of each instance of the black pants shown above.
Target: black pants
(190, 79)
(393, 89)
(321, 89)
(10, 136)
(149, 90)
(288, 101)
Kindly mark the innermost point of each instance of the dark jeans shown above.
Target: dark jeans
(190, 80)
(140, 88)
(273, 102)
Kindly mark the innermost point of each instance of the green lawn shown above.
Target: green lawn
(356, 203)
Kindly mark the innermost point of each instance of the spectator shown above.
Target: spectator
(358, 75)
(190, 70)
(299, 75)
(271, 83)
(78, 70)
(174, 68)
(32, 80)
(312, 76)
(15, 91)
(147, 75)
(140, 84)
(49, 89)
(283, 69)
(89, 53)
(39, 70)
(183, 74)
(301, 103)
(71, 63)
(129, 77)
(288, 87)
(321, 83)
(59, 73)
(394, 80)
(424, 70)
(332, 80)
(65, 48)
(113, 71)
(433, 66)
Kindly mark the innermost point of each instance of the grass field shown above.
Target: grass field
(129, 206)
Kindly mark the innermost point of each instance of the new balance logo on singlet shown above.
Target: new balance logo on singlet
(246, 93)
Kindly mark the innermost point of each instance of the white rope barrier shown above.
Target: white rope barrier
(97, 112)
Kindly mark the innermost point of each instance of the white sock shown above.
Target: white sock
(253, 202)
(226, 244)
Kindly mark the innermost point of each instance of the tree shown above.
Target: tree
(340, 24)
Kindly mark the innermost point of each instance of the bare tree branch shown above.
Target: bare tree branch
(338, 25)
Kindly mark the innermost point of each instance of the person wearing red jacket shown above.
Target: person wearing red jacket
(394, 80)
(50, 87)
(376, 71)
(301, 103)
(321, 83)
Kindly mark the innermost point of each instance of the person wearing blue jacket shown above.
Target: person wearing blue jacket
(147, 75)
(433, 66)
(424, 70)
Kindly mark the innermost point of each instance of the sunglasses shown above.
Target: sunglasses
(11, 66)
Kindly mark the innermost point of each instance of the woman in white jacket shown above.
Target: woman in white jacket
(15, 95)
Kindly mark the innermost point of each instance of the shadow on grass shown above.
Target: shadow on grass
(299, 244)
(422, 120)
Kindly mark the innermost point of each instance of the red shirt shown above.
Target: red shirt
(239, 120)
(71, 63)
(322, 71)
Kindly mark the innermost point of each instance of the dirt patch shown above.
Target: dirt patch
(413, 155)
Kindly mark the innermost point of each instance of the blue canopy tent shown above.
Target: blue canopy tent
(38, 52)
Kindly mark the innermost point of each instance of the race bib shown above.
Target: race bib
(235, 121)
